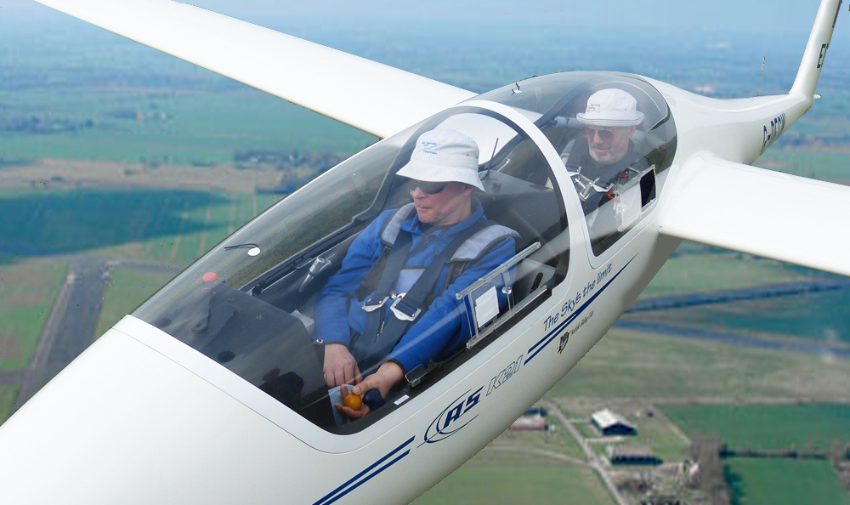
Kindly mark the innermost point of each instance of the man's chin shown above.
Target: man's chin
(608, 158)
(425, 215)
(603, 159)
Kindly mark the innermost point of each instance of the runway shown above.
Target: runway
(73, 321)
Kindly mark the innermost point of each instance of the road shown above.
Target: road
(687, 300)
(12, 378)
(799, 346)
(593, 460)
(684, 300)
(70, 327)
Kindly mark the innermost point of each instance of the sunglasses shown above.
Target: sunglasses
(429, 188)
(605, 135)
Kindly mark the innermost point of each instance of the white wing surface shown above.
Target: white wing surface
(367, 95)
(760, 212)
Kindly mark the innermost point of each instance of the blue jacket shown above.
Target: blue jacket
(339, 313)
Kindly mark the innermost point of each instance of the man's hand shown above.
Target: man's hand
(388, 375)
(340, 366)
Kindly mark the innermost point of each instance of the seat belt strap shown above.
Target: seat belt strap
(377, 341)
(375, 305)
(388, 236)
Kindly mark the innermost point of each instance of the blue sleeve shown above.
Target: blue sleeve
(441, 328)
(331, 309)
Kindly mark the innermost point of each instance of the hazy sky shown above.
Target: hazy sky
(778, 28)
(777, 16)
(731, 14)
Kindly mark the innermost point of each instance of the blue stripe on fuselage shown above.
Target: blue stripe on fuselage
(543, 342)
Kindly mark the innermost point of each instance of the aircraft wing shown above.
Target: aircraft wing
(760, 212)
(367, 95)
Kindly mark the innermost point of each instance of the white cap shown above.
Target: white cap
(444, 156)
(611, 107)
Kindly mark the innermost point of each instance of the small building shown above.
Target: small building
(535, 423)
(608, 423)
(536, 412)
(632, 455)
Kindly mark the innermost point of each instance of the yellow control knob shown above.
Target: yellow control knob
(352, 401)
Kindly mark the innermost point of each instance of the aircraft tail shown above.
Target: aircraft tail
(815, 53)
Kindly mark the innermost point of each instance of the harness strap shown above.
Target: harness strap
(377, 342)
(388, 238)
(375, 305)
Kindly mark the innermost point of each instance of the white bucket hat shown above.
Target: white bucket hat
(444, 156)
(611, 107)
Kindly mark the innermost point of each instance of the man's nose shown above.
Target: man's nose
(418, 193)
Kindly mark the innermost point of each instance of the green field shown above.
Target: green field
(556, 440)
(586, 429)
(69, 221)
(659, 435)
(690, 273)
(774, 481)
(202, 226)
(765, 427)
(810, 162)
(170, 227)
(27, 291)
(784, 482)
(173, 127)
(127, 290)
(484, 481)
(809, 320)
(636, 365)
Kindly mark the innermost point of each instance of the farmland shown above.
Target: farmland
(218, 215)
(190, 128)
(27, 291)
(168, 227)
(556, 439)
(73, 221)
(636, 365)
(127, 290)
(784, 482)
(689, 273)
(819, 431)
(767, 427)
(485, 480)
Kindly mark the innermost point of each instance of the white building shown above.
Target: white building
(609, 423)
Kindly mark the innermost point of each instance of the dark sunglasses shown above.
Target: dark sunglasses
(605, 135)
(429, 188)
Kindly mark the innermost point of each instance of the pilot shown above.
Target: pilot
(606, 152)
(386, 312)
